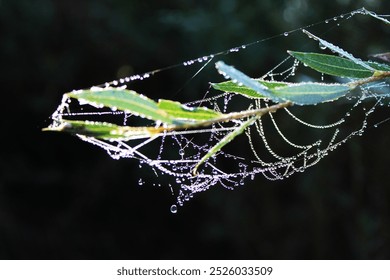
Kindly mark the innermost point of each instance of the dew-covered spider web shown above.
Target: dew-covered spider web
(272, 147)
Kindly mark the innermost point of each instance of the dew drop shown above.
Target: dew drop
(174, 209)
(285, 34)
(181, 152)
(322, 46)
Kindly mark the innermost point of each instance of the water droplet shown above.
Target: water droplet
(181, 152)
(140, 182)
(174, 209)
(322, 46)
(285, 34)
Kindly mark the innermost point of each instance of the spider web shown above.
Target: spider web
(272, 143)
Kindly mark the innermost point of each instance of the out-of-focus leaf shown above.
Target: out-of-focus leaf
(382, 57)
(327, 45)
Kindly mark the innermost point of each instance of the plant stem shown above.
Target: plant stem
(379, 75)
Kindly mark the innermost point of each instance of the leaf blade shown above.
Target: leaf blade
(123, 99)
(241, 79)
(103, 130)
(332, 65)
(311, 93)
(230, 86)
(183, 113)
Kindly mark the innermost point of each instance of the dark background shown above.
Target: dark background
(61, 198)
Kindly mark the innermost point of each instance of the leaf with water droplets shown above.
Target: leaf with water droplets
(332, 65)
(230, 86)
(241, 79)
(311, 93)
(325, 44)
(183, 113)
(123, 99)
(166, 111)
(224, 141)
(103, 130)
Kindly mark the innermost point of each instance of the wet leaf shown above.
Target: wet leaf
(224, 141)
(230, 86)
(332, 65)
(123, 99)
(103, 130)
(241, 79)
(382, 57)
(311, 93)
(166, 111)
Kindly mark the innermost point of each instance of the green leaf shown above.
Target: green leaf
(311, 93)
(230, 86)
(187, 114)
(103, 130)
(241, 79)
(123, 99)
(332, 65)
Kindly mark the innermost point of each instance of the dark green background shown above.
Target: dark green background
(61, 198)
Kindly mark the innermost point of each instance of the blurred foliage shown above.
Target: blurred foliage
(61, 198)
